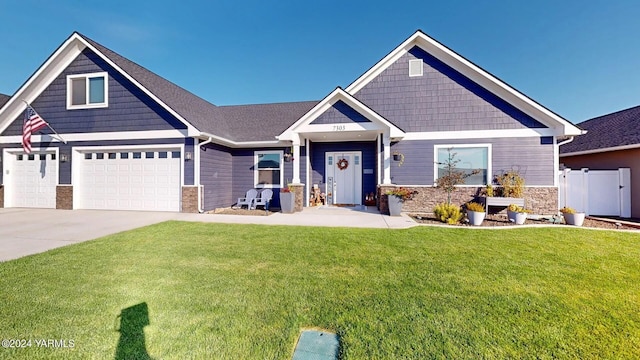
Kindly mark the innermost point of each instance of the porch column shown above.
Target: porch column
(386, 144)
(296, 161)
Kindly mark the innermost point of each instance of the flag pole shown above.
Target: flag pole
(46, 122)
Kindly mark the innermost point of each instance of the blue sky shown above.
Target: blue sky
(578, 58)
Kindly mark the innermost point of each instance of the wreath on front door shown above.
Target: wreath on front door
(343, 164)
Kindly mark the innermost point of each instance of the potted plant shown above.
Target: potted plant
(572, 217)
(287, 200)
(395, 198)
(475, 213)
(517, 214)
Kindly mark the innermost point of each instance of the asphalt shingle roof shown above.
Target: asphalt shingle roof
(616, 129)
(237, 123)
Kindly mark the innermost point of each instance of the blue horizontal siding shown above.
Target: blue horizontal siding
(216, 176)
(531, 157)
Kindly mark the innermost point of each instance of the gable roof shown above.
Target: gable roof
(474, 73)
(615, 131)
(339, 95)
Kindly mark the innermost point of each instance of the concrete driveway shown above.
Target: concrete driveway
(31, 231)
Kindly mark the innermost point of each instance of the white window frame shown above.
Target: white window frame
(256, 175)
(413, 61)
(454, 146)
(87, 76)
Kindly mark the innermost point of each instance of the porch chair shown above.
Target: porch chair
(248, 199)
(264, 199)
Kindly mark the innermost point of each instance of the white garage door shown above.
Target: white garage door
(31, 179)
(146, 179)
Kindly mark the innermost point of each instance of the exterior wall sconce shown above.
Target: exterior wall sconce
(188, 155)
(64, 157)
(398, 156)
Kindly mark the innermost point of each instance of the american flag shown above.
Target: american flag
(32, 123)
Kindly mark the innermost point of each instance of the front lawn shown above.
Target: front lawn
(181, 290)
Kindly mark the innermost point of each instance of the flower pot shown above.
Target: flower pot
(574, 219)
(516, 217)
(395, 205)
(287, 202)
(475, 217)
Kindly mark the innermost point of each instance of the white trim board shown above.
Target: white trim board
(478, 134)
(99, 136)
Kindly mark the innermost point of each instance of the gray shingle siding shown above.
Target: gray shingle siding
(532, 157)
(340, 113)
(216, 171)
(440, 100)
(129, 108)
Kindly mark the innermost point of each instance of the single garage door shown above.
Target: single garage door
(31, 180)
(147, 179)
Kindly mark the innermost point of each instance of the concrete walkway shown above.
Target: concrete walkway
(362, 217)
(31, 231)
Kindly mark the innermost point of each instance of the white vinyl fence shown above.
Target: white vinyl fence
(596, 192)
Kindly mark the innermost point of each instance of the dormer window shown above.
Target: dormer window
(86, 91)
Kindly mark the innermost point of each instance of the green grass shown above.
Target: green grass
(181, 290)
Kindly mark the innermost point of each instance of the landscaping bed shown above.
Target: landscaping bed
(495, 220)
(243, 211)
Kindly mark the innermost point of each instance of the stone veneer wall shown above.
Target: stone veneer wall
(189, 199)
(64, 197)
(540, 200)
(298, 189)
(1, 196)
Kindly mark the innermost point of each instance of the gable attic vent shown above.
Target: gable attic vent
(415, 67)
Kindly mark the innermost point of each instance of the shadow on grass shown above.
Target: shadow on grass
(131, 344)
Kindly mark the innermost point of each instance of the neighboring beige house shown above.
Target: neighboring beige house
(612, 141)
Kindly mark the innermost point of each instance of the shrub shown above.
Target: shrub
(474, 206)
(567, 210)
(512, 184)
(402, 193)
(489, 190)
(448, 213)
(518, 209)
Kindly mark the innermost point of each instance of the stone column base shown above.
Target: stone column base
(64, 197)
(298, 189)
(189, 199)
(1, 196)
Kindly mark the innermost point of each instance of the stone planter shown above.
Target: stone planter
(574, 219)
(475, 217)
(287, 202)
(516, 217)
(395, 205)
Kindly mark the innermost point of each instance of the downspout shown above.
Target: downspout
(570, 139)
(200, 206)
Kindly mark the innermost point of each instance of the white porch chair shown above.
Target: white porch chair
(248, 199)
(264, 199)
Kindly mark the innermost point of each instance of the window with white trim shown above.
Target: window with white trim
(87, 90)
(473, 159)
(268, 168)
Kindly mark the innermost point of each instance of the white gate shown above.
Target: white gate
(596, 192)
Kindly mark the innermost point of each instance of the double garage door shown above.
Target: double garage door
(139, 179)
(123, 179)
